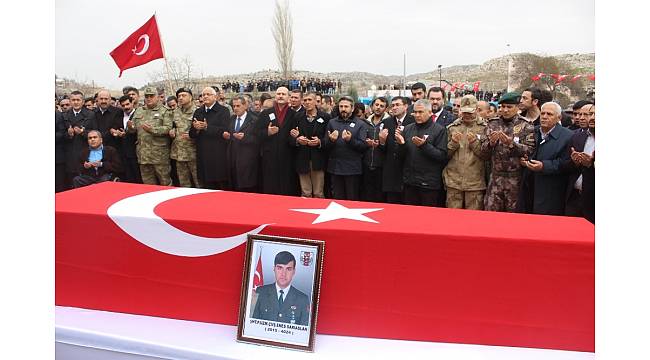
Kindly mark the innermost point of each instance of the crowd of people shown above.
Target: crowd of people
(523, 153)
(324, 86)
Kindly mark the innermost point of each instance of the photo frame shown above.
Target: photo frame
(280, 292)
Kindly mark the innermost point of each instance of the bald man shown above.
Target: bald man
(210, 126)
(107, 117)
(274, 126)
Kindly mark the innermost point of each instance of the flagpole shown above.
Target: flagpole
(162, 45)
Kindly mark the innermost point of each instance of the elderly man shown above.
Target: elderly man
(274, 126)
(209, 125)
(152, 123)
(581, 186)
(464, 175)
(424, 147)
(97, 162)
(183, 149)
(550, 163)
(509, 137)
(243, 147)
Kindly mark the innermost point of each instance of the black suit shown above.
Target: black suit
(278, 154)
(73, 145)
(211, 147)
(60, 132)
(392, 181)
(125, 146)
(445, 118)
(106, 121)
(244, 155)
(581, 204)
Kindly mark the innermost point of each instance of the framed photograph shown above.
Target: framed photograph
(280, 289)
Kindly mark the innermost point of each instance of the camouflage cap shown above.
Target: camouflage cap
(510, 98)
(468, 104)
(150, 90)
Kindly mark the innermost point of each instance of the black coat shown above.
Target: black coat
(423, 165)
(578, 141)
(392, 177)
(373, 157)
(124, 145)
(445, 118)
(211, 147)
(111, 162)
(60, 133)
(106, 121)
(305, 153)
(345, 157)
(74, 144)
(549, 185)
(278, 154)
(244, 154)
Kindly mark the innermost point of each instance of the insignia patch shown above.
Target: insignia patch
(518, 127)
(306, 258)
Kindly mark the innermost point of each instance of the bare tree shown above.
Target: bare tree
(283, 35)
(181, 74)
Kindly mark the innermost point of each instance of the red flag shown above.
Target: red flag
(477, 85)
(561, 78)
(592, 77)
(141, 47)
(258, 279)
(538, 76)
(573, 79)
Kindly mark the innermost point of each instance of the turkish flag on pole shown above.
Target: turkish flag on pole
(258, 279)
(139, 48)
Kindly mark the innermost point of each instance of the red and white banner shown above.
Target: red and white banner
(139, 48)
(179, 253)
(258, 279)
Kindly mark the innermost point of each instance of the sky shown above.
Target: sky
(232, 37)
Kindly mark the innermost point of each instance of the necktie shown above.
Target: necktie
(281, 300)
(433, 117)
(237, 126)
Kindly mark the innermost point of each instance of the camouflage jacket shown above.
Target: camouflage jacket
(183, 149)
(153, 147)
(505, 159)
(465, 170)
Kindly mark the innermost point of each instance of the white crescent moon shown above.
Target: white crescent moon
(146, 44)
(135, 215)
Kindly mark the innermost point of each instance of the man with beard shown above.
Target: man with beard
(78, 121)
(417, 92)
(152, 123)
(310, 158)
(209, 124)
(125, 142)
(243, 147)
(274, 126)
(424, 147)
(183, 149)
(581, 192)
(439, 115)
(345, 141)
(392, 181)
(373, 157)
(508, 138)
(550, 162)
(531, 102)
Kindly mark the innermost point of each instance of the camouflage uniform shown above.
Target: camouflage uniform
(184, 150)
(152, 147)
(503, 187)
(464, 174)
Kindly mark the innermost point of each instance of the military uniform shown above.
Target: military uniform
(152, 147)
(464, 174)
(184, 150)
(503, 187)
(293, 310)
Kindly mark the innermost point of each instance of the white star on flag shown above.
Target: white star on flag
(335, 211)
